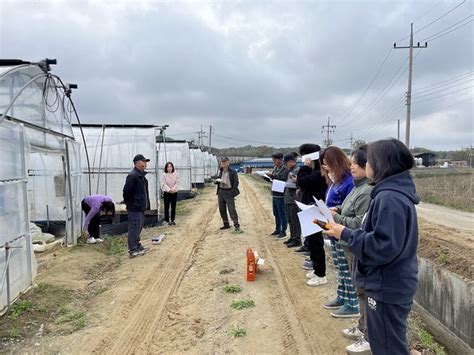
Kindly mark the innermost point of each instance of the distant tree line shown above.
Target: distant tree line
(266, 151)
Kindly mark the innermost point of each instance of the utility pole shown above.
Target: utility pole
(352, 142)
(398, 129)
(201, 134)
(329, 128)
(211, 131)
(410, 75)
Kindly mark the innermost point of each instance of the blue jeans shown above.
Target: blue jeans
(279, 211)
(135, 225)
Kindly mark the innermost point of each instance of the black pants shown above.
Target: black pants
(226, 201)
(293, 221)
(317, 254)
(94, 225)
(170, 201)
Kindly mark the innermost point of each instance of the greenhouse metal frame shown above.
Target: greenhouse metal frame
(39, 175)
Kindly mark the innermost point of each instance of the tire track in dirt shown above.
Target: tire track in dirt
(147, 304)
(290, 320)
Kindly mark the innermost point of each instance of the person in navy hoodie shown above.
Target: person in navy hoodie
(386, 245)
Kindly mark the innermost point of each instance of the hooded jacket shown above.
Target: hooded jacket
(135, 191)
(386, 244)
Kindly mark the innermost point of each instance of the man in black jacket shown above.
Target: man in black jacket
(227, 189)
(136, 197)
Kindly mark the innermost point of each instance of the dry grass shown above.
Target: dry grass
(448, 190)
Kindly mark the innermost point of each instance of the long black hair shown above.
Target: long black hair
(166, 167)
(388, 157)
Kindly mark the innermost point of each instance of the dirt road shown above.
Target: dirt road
(172, 300)
(447, 217)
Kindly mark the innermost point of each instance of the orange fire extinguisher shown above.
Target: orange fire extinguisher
(251, 265)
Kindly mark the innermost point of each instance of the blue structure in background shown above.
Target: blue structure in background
(257, 163)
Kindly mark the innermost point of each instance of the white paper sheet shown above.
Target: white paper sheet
(312, 156)
(291, 184)
(306, 219)
(302, 206)
(278, 186)
(324, 210)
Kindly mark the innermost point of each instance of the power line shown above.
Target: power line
(434, 21)
(454, 79)
(457, 103)
(447, 28)
(242, 140)
(442, 89)
(427, 12)
(368, 87)
(376, 132)
(454, 29)
(447, 94)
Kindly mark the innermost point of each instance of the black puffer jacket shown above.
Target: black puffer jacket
(135, 191)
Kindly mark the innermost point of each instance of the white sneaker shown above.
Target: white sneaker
(360, 347)
(91, 240)
(352, 333)
(99, 240)
(317, 281)
(310, 275)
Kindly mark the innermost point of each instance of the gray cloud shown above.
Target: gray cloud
(268, 72)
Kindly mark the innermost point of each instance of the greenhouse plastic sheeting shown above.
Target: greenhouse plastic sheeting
(197, 166)
(111, 151)
(14, 215)
(179, 154)
(34, 97)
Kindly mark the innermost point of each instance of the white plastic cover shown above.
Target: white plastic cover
(198, 166)
(179, 154)
(111, 151)
(28, 94)
(14, 215)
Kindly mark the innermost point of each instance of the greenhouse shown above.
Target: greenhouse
(107, 158)
(39, 175)
(198, 166)
(179, 154)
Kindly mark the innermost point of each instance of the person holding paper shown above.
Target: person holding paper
(312, 184)
(227, 189)
(290, 198)
(337, 171)
(280, 172)
(350, 214)
(385, 246)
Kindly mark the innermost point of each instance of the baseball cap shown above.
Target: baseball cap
(289, 157)
(140, 157)
(224, 158)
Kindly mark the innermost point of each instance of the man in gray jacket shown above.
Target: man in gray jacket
(227, 189)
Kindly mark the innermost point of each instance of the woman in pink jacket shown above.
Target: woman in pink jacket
(170, 185)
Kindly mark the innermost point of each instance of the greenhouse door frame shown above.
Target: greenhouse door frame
(5, 273)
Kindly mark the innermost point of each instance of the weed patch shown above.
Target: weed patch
(421, 339)
(243, 304)
(232, 288)
(238, 332)
(72, 318)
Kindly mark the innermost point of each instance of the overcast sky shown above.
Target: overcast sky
(259, 72)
